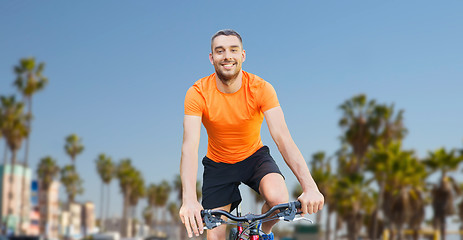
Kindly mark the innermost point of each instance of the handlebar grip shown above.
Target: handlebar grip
(297, 204)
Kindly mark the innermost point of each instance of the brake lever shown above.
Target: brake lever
(288, 214)
(302, 218)
(211, 221)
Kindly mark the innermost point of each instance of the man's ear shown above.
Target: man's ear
(211, 58)
(244, 55)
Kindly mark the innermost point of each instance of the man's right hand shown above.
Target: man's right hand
(190, 214)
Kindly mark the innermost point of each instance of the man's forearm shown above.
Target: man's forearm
(295, 162)
(188, 174)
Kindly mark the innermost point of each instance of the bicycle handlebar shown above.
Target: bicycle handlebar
(288, 214)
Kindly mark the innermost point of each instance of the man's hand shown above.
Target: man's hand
(311, 201)
(190, 214)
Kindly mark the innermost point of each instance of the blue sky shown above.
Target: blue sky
(119, 70)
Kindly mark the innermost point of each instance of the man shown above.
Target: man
(232, 103)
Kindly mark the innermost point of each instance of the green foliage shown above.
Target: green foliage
(127, 175)
(13, 122)
(105, 168)
(29, 78)
(73, 146)
(72, 182)
(47, 171)
(138, 190)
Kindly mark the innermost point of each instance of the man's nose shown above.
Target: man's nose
(227, 54)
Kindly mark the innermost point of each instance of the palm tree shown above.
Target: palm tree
(29, 81)
(5, 152)
(443, 193)
(173, 209)
(137, 193)
(354, 201)
(460, 213)
(73, 185)
(356, 113)
(179, 188)
(73, 147)
(162, 195)
(13, 123)
(47, 171)
(418, 205)
(320, 169)
(403, 185)
(72, 182)
(127, 176)
(106, 170)
(151, 192)
(386, 127)
(148, 215)
(354, 197)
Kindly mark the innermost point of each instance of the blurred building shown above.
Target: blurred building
(71, 220)
(77, 220)
(34, 226)
(88, 218)
(48, 204)
(10, 204)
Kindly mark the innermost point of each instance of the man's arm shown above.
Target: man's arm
(190, 210)
(312, 200)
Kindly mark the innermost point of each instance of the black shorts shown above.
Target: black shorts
(221, 180)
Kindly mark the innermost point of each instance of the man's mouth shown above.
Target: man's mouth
(228, 65)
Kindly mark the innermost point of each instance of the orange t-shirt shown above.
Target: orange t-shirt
(233, 121)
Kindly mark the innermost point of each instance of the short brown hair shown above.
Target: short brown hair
(227, 32)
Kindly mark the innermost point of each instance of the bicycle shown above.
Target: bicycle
(247, 226)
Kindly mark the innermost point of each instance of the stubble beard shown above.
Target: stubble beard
(227, 79)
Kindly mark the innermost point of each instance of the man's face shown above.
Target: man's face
(227, 57)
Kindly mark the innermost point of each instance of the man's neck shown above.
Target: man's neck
(229, 86)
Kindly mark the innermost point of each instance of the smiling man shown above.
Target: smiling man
(231, 104)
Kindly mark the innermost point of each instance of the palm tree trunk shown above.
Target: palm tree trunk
(328, 221)
(10, 191)
(416, 233)
(353, 225)
(5, 198)
(108, 199)
(125, 215)
(399, 232)
(379, 205)
(26, 164)
(318, 220)
(46, 217)
(23, 199)
(101, 207)
(336, 227)
(442, 227)
(68, 234)
(5, 154)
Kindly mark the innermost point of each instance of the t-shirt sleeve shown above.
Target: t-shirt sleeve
(194, 102)
(268, 97)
